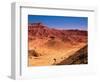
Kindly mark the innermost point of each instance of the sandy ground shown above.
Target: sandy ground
(51, 56)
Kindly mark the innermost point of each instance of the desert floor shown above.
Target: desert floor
(45, 56)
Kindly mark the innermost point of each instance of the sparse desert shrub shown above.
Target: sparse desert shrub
(52, 37)
(65, 39)
(33, 53)
(51, 42)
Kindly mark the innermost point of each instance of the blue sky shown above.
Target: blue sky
(60, 22)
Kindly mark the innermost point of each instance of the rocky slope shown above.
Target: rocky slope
(38, 30)
(79, 57)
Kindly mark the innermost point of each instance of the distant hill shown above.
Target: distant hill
(38, 30)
